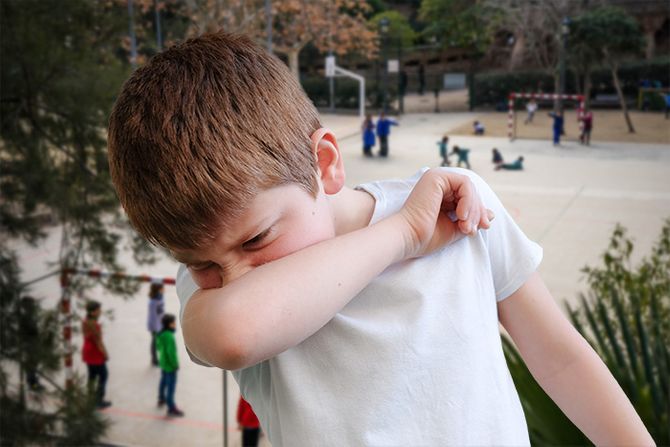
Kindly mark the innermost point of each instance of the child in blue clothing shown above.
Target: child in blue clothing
(368, 136)
(383, 131)
(557, 126)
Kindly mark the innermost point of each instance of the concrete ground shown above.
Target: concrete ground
(568, 199)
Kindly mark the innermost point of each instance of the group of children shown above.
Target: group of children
(463, 157)
(383, 129)
(163, 352)
(163, 349)
(462, 153)
(558, 123)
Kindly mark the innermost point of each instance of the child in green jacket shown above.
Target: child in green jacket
(169, 363)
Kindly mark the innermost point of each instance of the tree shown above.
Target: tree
(62, 64)
(331, 25)
(166, 21)
(614, 35)
(400, 32)
(461, 23)
(536, 27)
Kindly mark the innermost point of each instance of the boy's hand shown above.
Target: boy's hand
(427, 225)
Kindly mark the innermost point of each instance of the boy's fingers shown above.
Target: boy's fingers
(474, 218)
(485, 221)
(464, 192)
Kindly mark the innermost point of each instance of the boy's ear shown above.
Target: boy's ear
(329, 160)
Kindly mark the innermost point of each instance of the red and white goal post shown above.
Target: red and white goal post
(511, 114)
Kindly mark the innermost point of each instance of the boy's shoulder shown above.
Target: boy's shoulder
(390, 194)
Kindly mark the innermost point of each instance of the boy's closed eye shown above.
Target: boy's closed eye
(259, 241)
(199, 267)
(253, 244)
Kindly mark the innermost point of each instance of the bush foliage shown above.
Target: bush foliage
(494, 88)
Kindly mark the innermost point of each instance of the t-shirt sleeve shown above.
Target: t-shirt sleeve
(186, 287)
(513, 256)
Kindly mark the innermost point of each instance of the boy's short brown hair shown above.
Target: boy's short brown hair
(199, 130)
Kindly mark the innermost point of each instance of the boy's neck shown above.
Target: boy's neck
(352, 210)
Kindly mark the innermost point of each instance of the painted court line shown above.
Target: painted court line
(177, 421)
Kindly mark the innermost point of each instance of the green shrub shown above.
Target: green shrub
(346, 92)
(625, 316)
(494, 88)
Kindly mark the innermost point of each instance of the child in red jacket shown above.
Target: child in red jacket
(94, 353)
(248, 423)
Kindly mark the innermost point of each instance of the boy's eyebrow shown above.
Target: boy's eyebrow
(185, 259)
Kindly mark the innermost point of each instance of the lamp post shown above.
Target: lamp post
(131, 31)
(402, 80)
(159, 36)
(383, 29)
(565, 30)
(268, 24)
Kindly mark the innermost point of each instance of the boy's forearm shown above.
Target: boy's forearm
(278, 305)
(589, 395)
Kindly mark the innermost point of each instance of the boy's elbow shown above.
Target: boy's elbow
(220, 342)
(231, 355)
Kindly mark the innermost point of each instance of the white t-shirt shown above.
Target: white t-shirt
(414, 359)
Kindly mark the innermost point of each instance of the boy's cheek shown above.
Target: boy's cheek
(207, 279)
(290, 243)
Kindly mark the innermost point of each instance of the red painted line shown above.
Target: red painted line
(113, 411)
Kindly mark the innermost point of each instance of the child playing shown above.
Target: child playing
(462, 154)
(531, 108)
(587, 127)
(497, 158)
(557, 126)
(94, 353)
(348, 316)
(516, 165)
(154, 317)
(169, 362)
(248, 423)
(368, 136)
(478, 128)
(444, 153)
(384, 124)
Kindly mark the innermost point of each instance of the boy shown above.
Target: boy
(348, 317)
(444, 151)
(516, 165)
(169, 363)
(94, 353)
(463, 156)
(384, 124)
(248, 423)
(531, 108)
